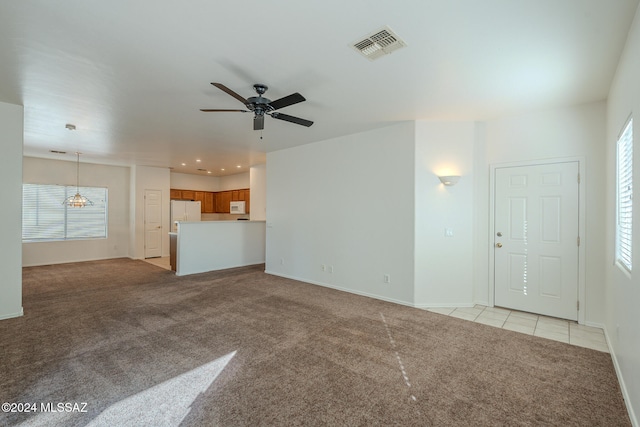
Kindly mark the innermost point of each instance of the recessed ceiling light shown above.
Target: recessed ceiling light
(208, 171)
(238, 166)
(198, 160)
(183, 164)
(222, 169)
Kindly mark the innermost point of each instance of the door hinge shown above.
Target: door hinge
(578, 305)
(578, 177)
(578, 240)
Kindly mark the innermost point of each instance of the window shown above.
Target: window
(624, 202)
(45, 216)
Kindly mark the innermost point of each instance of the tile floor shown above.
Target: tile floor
(541, 326)
(526, 323)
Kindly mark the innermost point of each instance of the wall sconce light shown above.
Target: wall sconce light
(449, 180)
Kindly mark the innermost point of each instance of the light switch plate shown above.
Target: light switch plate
(448, 232)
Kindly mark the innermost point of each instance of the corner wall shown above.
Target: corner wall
(347, 203)
(59, 172)
(622, 291)
(444, 265)
(11, 131)
(188, 181)
(577, 131)
(235, 181)
(258, 195)
(147, 178)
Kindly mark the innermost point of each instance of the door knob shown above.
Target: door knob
(498, 245)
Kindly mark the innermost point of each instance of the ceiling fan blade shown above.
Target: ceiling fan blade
(288, 118)
(258, 122)
(230, 92)
(208, 110)
(294, 98)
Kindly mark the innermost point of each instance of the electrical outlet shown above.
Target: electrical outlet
(387, 278)
(448, 232)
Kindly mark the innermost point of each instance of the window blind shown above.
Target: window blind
(45, 216)
(625, 197)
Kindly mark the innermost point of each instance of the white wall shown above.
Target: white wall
(208, 246)
(11, 130)
(444, 274)
(60, 172)
(258, 194)
(147, 178)
(577, 131)
(187, 181)
(235, 181)
(622, 291)
(347, 203)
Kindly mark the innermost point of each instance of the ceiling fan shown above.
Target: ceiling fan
(260, 106)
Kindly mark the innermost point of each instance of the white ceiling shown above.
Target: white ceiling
(133, 74)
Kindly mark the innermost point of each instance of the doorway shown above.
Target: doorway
(536, 238)
(152, 223)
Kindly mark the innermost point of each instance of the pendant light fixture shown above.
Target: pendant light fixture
(77, 201)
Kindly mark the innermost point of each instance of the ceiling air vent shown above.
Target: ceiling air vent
(379, 43)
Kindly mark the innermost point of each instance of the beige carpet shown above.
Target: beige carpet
(140, 346)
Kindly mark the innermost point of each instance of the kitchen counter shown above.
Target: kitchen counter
(215, 245)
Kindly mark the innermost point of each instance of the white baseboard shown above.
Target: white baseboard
(12, 315)
(76, 260)
(444, 305)
(375, 296)
(594, 325)
(623, 387)
(338, 288)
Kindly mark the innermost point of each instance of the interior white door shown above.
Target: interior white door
(536, 239)
(152, 223)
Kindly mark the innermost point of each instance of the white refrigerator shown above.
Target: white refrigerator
(182, 210)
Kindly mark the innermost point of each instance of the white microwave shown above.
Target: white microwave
(237, 208)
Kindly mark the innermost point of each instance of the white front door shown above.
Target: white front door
(152, 223)
(536, 239)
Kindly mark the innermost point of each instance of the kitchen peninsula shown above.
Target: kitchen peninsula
(198, 247)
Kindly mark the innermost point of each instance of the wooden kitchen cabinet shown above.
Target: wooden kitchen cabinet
(214, 202)
(226, 201)
(188, 195)
(209, 202)
(198, 196)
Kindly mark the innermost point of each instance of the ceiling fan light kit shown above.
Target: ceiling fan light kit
(261, 106)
